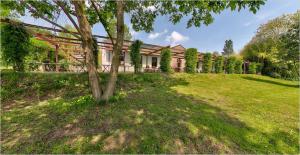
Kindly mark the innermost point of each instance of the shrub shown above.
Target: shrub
(135, 55)
(238, 68)
(15, 45)
(258, 67)
(252, 68)
(207, 63)
(219, 63)
(165, 61)
(230, 65)
(191, 58)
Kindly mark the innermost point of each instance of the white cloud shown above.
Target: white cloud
(157, 34)
(150, 8)
(176, 37)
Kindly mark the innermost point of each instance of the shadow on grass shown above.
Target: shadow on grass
(152, 118)
(271, 82)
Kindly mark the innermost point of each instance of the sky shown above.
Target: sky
(240, 27)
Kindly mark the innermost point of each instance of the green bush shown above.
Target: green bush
(14, 45)
(135, 55)
(238, 66)
(252, 68)
(207, 63)
(219, 64)
(165, 61)
(258, 67)
(191, 59)
(230, 65)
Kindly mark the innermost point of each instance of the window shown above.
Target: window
(154, 62)
(107, 55)
(122, 57)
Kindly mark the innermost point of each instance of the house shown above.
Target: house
(150, 57)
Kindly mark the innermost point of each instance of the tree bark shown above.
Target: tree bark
(117, 49)
(87, 45)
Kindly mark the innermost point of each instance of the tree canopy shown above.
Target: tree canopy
(228, 48)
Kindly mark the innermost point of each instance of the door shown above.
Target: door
(154, 62)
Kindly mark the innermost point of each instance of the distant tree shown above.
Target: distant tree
(15, 43)
(238, 66)
(228, 48)
(165, 61)
(219, 64)
(135, 55)
(207, 63)
(230, 64)
(191, 58)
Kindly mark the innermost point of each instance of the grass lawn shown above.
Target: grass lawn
(151, 113)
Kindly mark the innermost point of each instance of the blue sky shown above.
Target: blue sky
(238, 26)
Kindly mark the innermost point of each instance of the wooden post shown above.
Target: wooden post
(56, 58)
(125, 61)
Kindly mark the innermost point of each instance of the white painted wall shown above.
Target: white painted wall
(128, 66)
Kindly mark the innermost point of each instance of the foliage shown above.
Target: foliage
(228, 48)
(15, 41)
(276, 46)
(191, 59)
(113, 29)
(207, 62)
(135, 55)
(252, 68)
(219, 64)
(230, 65)
(238, 68)
(165, 60)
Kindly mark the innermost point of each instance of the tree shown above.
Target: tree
(113, 30)
(15, 43)
(165, 61)
(207, 63)
(270, 47)
(191, 59)
(228, 48)
(141, 18)
(230, 64)
(219, 64)
(135, 55)
(238, 66)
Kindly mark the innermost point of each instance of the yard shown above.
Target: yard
(151, 113)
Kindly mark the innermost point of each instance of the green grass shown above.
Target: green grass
(151, 113)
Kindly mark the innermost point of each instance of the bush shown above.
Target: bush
(191, 59)
(219, 64)
(207, 63)
(15, 45)
(238, 66)
(252, 68)
(165, 61)
(135, 55)
(258, 67)
(230, 65)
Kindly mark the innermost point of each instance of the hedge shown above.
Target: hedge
(165, 62)
(219, 64)
(252, 68)
(238, 66)
(191, 58)
(207, 63)
(230, 64)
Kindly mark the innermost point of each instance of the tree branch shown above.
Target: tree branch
(48, 20)
(102, 22)
(60, 4)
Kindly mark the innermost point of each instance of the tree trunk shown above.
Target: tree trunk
(87, 45)
(117, 49)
